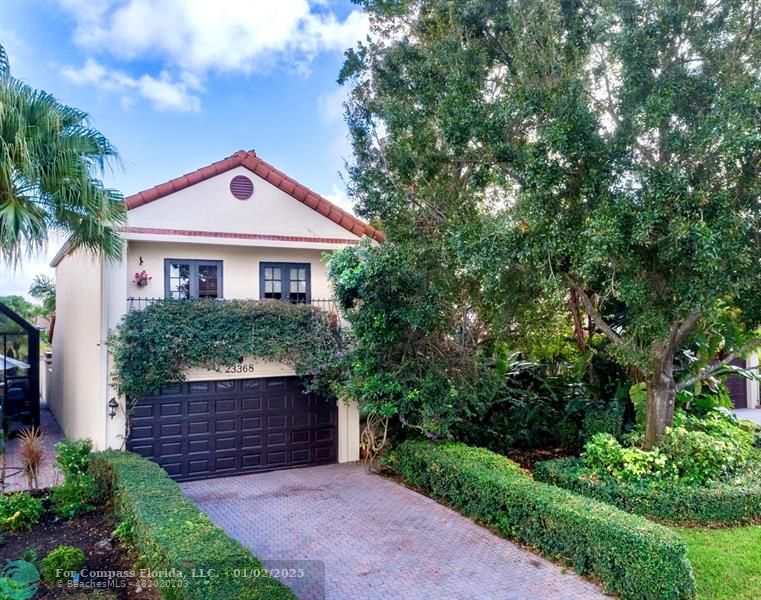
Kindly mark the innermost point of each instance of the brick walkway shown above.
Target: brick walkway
(375, 539)
(48, 475)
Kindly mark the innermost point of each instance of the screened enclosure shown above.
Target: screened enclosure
(20, 376)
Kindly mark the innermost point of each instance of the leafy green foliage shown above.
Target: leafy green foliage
(412, 354)
(76, 495)
(60, 562)
(73, 457)
(50, 161)
(695, 451)
(607, 150)
(20, 511)
(539, 405)
(155, 346)
(736, 500)
(25, 309)
(173, 536)
(634, 558)
(43, 288)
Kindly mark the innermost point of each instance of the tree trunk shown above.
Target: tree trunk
(661, 398)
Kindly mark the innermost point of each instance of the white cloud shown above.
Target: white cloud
(200, 35)
(165, 92)
(339, 197)
(330, 106)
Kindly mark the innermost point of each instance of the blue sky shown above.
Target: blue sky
(176, 85)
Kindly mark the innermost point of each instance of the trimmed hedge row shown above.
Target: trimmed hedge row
(634, 558)
(176, 539)
(720, 504)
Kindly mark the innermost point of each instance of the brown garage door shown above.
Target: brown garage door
(206, 429)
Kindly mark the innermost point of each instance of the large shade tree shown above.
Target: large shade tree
(50, 163)
(602, 152)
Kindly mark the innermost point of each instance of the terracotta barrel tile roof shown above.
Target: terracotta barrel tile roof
(270, 174)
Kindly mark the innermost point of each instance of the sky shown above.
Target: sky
(176, 85)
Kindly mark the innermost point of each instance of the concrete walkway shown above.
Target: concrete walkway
(369, 538)
(48, 475)
(749, 414)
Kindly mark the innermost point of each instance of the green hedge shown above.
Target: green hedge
(170, 533)
(721, 504)
(634, 558)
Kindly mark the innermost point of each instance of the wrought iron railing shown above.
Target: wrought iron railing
(329, 305)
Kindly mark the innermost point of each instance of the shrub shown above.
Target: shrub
(697, 450)
(73, 457)
(20, 511)
(64, 559)
(633, 557)
(602, 421)
(735, 501)
(174, 537)
(74, 497)
(77, 493)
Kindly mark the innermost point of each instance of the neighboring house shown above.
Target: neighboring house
(42, 323)
(744, 392)
(238, 228)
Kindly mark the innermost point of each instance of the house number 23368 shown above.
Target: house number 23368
(242, 368)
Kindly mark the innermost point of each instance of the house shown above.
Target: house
(238, 228)
(744, 392)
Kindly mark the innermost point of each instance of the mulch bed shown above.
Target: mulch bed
(527, 459)
(83, 532)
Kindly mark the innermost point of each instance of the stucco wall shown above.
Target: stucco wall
(76, 385)
(210, 206)
(240, 266)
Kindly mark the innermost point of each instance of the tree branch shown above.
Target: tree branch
(685, 327)
(717, 365)
(593, 313)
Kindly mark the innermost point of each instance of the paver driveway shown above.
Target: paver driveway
(376, 539)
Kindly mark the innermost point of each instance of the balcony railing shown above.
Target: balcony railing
(329, 305)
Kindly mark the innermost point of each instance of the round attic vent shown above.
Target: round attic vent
(242, 187)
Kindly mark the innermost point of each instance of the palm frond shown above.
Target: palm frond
(5, 66)
(50, 162)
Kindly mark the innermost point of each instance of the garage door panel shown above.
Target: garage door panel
(324, 435)
(275, 421)
(198, 427)
(300, 437)
(225, 405)
(251, 404)
(224, 386)
(170, 429)
(323, 454)
(225, 443)
(251, 424)
(170, 409)
(199, 387)
(196, 446)
(207, 429)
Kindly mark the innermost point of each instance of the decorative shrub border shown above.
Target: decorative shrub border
(721, 504)
(174, 538)
(634, 558)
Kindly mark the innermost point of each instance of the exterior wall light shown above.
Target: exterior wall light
(112, 406)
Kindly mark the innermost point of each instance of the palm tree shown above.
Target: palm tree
(50, 160)
(43, 289)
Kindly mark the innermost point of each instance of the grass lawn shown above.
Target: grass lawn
(726, 562)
